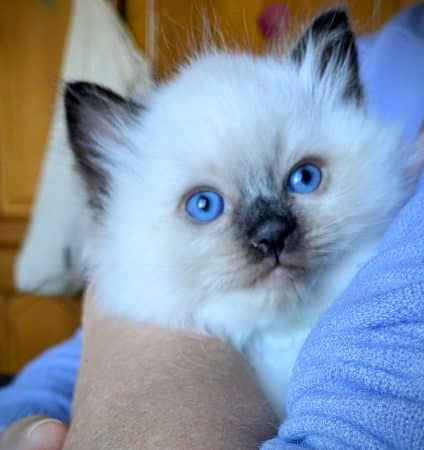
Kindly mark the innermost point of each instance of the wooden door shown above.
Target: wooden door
(167, 29)
(32, 35)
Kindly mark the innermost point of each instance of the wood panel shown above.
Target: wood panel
(32, 35)
(3, 330)
(170, 30)
(12, 232)
(7, 259)
(367, 16)
(32, 323)
(167, 30)
(138, 14)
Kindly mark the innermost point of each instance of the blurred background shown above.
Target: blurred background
(124, 44)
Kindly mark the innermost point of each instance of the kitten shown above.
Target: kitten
(243, 196)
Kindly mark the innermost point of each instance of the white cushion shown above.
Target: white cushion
(99, 49)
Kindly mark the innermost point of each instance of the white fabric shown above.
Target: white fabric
(99, 49)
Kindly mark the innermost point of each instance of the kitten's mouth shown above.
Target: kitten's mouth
(284, 268)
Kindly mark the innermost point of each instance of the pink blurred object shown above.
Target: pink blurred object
(274, 20)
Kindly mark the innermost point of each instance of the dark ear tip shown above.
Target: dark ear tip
(337, 11)
(72, 102)
(76, 90)
(332, 19)
(79, 93)
(73, 93)
(78, 86)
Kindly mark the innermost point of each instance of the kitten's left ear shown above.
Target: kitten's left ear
(329, 46)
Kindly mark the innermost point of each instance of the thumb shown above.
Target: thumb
(34, 433)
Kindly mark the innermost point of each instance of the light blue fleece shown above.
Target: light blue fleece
(359, 380)
(44, 386)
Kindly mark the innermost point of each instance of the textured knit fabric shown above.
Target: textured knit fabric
(359, 379)
(45, 386)
(392, 70)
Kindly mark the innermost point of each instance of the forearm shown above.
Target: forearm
(156, 388)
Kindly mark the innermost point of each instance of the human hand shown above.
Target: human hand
(34, 433)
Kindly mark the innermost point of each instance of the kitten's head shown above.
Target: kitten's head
(238, 181)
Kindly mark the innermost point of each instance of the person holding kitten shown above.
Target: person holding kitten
(381, 309)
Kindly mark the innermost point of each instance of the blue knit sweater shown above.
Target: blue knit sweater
(359, 379)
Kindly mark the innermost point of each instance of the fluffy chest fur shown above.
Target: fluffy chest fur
(244, 195)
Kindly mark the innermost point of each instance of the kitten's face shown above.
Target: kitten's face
(245, 177)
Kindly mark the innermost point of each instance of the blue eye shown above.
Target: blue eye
(205, 206)
(304, 179)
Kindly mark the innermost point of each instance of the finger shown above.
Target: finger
(34, 433)
(46, 435)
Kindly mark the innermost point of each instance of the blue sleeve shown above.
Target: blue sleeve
(44, 386)
(359, 379)
(392, 70)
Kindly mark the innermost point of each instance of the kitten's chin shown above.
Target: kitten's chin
(280, 274)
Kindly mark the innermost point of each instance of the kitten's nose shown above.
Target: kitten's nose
(270, 235)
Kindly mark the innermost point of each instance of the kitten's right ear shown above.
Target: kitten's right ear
(331, 43)
(97, 120)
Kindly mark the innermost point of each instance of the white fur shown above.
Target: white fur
(219, 123)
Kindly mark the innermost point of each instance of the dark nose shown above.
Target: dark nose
(270, 235)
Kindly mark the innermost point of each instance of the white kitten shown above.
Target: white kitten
(243, 196)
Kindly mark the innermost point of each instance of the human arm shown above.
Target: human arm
(197, 371)
(158, 388)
